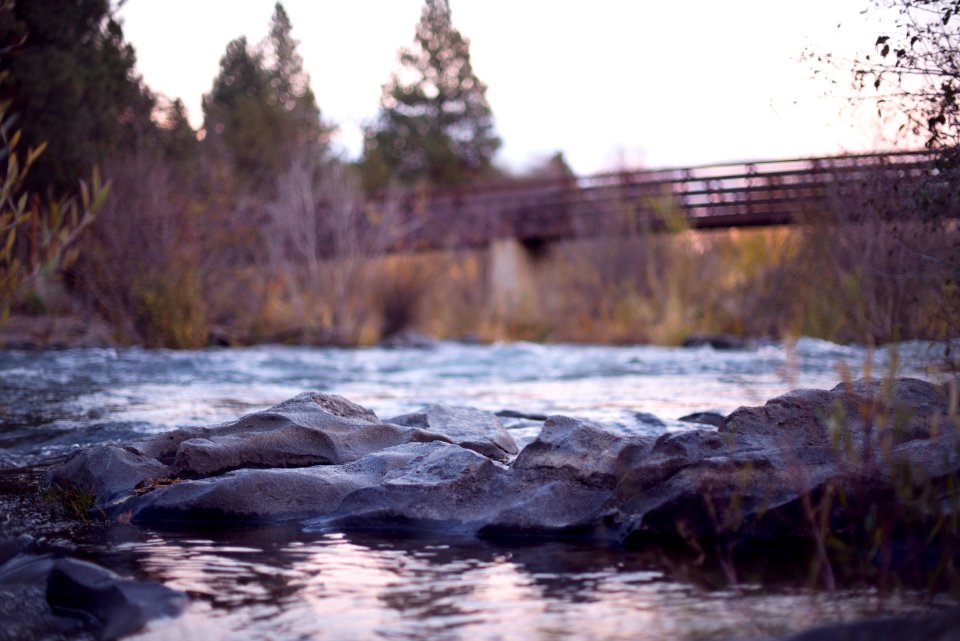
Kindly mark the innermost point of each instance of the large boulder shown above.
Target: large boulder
(282, 494)
(708, 484)
(767, 468)
(436, 486)
(309, 429)
(882, 412)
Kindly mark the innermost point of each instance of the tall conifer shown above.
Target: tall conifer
(435, 123)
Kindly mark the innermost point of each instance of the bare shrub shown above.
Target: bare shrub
(140, 266)
(879, 263)
(319, 235)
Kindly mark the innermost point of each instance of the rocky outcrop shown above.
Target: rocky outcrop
(767, 467)
(330, 463)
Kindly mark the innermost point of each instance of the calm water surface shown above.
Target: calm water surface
(283, 583)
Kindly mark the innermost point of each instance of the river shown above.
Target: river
(285, 583)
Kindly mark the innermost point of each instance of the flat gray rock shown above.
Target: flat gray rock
(576, 449)
(468, 427)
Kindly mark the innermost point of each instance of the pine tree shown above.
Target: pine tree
(435, 123)
(72, 85)
(290, 84)
(239, 113)
(177, 138)
(261, 106)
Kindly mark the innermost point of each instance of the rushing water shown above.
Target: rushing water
(272, 582)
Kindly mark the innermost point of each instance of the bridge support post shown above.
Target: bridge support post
(512, 281)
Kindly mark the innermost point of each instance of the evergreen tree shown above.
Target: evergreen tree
(261, 106)
(290, 83)
(178, 140)
(72, 85)
(435, 123)
(239, 113)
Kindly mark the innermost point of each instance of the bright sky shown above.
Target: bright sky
(608, 82)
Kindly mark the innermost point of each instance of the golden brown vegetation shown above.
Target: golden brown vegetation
(168, 272)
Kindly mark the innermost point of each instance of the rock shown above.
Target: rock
(576, 449)
(108, 471)
(13, 546)
(114, 607)
(942, 626)
(707, 484)
(436, 486)
(530, 416)
(468, 427)
(649, 419)
(409, 339)
(309, 429)
(265, 495)
(559, 505)
(896, 412)
(24, 611)
(717, 341)
(76, 598)
(716, 419)
(321, 459)
(751, 476)
(795, 419)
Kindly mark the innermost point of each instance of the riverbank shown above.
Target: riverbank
(55, 331)
(632, 289)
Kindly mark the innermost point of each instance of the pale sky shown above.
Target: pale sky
(608, 82)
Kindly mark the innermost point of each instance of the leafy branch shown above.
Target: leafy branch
(52, 229)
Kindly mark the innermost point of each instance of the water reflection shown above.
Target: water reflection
(280, 583)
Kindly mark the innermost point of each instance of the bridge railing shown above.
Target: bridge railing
(723, 195)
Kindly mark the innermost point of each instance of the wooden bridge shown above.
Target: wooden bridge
(533, 212)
